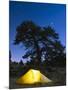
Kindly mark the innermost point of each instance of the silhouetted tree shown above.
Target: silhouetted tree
(52, 48)
(9, 55)
(28, 34)
(21, 62)
(39, 42)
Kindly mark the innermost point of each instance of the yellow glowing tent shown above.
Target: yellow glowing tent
(33, 76)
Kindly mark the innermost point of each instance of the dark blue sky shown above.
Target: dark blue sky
(40, 13)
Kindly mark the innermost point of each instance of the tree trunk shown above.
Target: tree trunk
(38, 57)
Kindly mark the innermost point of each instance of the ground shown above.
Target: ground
(57, 75)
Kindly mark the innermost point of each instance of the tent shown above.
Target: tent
(32, 77)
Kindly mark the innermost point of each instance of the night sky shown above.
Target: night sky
(41, 14)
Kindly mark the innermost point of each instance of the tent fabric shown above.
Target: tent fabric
(32, 77)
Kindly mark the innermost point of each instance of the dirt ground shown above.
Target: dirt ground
(58, 77)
